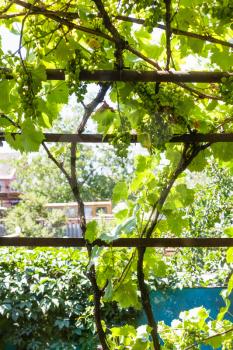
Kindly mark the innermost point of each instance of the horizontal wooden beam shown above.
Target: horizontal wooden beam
(136, 76)
(153, 76)
(98, 138)
(118, 243)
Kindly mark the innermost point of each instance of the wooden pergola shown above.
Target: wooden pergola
(191, 138)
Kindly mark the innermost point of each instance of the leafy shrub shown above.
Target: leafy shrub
(31, 218)
(45, 300)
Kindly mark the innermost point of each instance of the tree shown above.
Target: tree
(40, 176)
(31, 218)
(83, 37)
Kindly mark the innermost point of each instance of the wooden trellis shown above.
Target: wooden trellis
(117, 243)
(128, 76)
(98, 138)
(137, 76)
(123, 242)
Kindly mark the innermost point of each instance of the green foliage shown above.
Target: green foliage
(45, 301)
(40, 176)
(120, 192)
(31, 218)
(49, 42)
(226, 90)
(194, 329)
(134, 339)
(91, 231)
(159, 202)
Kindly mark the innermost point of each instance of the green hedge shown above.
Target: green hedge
(46, 302)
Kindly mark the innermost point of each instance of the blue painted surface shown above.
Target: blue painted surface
(168, 304)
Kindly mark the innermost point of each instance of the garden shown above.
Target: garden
(128, 102)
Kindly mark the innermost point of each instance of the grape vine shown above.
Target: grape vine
(73, 69)
(226, 90)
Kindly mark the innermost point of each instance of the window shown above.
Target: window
(101, 210)
(71, 212)
(88, 211)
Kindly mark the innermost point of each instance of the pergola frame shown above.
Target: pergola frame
(193, 142)
(118, 243)
(99, 138)
(192, 138)
(122, 242)
(136, 76)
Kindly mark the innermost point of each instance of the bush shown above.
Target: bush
(45, 300)
(31, 218)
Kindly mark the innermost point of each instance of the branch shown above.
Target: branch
(52, 15)
(12, 15)
(10, 120)
(92, 273)
(177, 31)
(7, 7)
(119, 41)
(198, 93)
(75, 186)
(68, 15)
(107, 22)
(89, 109)
(145, 299)
(55, 161)
(168, 31)
(189, 153)
(71, 25)
(143, 57)
(72, 15)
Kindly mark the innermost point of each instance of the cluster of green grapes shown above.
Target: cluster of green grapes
(157, 129)
(73, 70)
(156, 122)
(226, 90)
(27, 89)
(121, 143)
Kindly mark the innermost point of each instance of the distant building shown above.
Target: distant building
(8, 196)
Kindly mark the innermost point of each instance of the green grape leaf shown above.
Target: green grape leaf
(58, 94)
(120, 192)
(108, 291)
(4, 122)
(39, 73)
(5, 87)
(127, 295)
(104, 119)
(154, 263)
(91, 231)
(31, 138)
(230, 255)
(223, 151)
(228, 231)
(198, 163)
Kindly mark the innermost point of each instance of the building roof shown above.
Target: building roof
(7, 170)
(74, 204)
